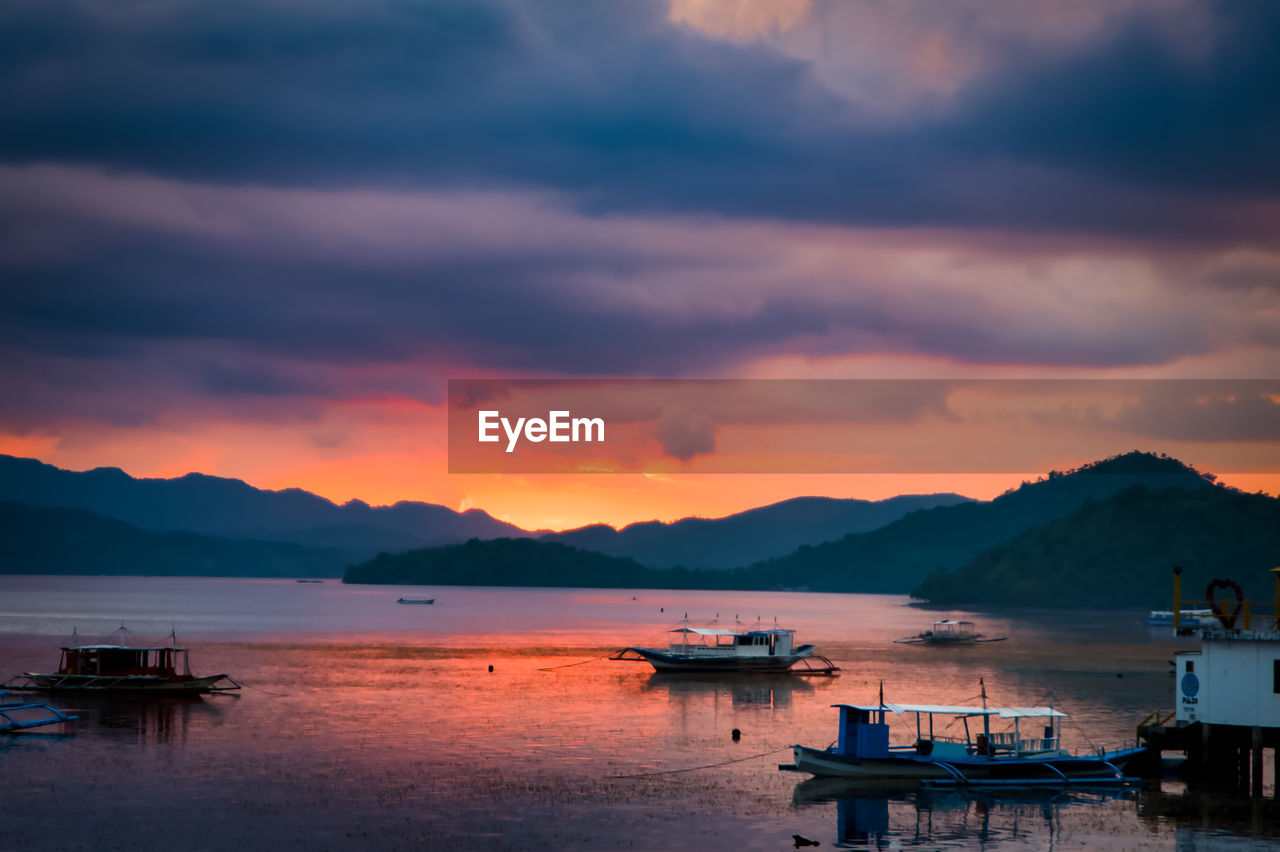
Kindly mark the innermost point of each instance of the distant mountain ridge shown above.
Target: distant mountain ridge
(231, 508)
(217, 506)
(896, 557)
(108, 522)
(893, 558)
(40, 540)
(761, 533)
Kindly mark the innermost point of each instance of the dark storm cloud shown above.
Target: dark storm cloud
(1138, 110)
(625, 111)
(257, 200)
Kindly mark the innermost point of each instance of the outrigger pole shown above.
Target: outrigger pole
(986, 719)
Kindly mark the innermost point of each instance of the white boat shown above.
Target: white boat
(720, 649)
(1189, 618)
(1005, 758)
(416, 599)
(949, 632)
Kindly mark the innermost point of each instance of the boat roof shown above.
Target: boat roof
(122, 648)
(961, 710)
(720, 631)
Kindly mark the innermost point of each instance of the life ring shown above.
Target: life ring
(1228, 619)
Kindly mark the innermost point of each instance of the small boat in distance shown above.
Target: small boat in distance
(949, 632)
(416, 599)
(1189, 618)
(720, 649)
(156, 670)
(16, 716)
(1006, 758)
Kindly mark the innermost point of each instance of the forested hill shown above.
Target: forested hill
(1120, 551)
(755, 534)
(524, 562)
(40, 540)
(898, 556)
(894, 558)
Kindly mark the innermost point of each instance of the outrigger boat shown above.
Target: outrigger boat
(416, 599)
(16, 716)
(1007, 758)
(949, 633)
(719, 649)
(1190, 618)
(157, 670)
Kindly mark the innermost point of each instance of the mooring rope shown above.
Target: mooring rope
(696, 768)
(571, 665)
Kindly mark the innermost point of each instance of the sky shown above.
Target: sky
(257, 239)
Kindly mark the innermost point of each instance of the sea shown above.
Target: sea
(494, 719)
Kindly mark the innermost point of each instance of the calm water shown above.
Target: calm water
(365, 724)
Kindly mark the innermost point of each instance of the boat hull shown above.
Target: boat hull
(971, 769)
(130, 684)
(667, 661)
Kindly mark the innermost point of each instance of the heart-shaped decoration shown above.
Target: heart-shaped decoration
(1227, 617)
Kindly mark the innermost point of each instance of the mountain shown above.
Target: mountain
(748, 536)
(39, 540)
(509, 562)
(1191, 518)
(231, 508)
(898, 556)
(1120, 552)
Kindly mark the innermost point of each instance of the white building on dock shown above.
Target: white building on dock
(1233, 679)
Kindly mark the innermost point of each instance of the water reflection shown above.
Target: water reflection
(1195, 814)
(149, 721)
(745, 692)
(877, 815)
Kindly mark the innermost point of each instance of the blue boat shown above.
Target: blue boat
(991, 758)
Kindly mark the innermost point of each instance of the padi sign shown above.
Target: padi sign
(559, 427)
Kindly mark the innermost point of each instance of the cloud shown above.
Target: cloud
(1136, 118)
(685, 434)
(263, 202)
(1205, 411)
(170, 288)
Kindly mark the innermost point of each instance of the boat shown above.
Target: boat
(416, 599)
(16, 716)
(740, 649)
(949, 632)
(155, 670)
(1004, 758)
(1189, 618)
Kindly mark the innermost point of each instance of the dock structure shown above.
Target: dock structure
(1227, 692)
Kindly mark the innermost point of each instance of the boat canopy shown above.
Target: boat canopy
(720, 631)
(123, 648)
(957, 710)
